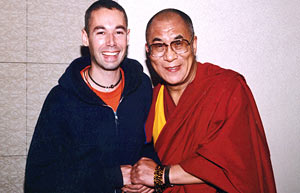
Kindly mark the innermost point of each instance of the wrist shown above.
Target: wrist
(158, 179)
(167, 182)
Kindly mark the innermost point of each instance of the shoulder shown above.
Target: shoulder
(56, 93)
(77, 65)
(57, 98)
(212, 69)
(221, 75)
(134, 73)
(156, 90)
(132, 65)
(221, 82)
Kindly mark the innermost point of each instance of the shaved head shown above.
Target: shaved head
(167, 14)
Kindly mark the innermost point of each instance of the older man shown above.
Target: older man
(203, 120)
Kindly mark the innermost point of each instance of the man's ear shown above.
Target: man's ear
(195, 45)
(85, 38)
(128, 36)
(147, 48)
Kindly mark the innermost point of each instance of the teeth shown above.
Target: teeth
(110, 53)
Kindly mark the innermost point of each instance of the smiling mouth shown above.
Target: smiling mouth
(173, 68)
(110, 53)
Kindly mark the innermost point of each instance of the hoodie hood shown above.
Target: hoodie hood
(72, 81)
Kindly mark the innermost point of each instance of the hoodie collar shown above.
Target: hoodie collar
(73, 83)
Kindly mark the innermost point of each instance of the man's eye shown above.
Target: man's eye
(177, 43)
(100, 33)
(120, 32)
(159, 45)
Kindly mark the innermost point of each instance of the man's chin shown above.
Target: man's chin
(113, 69)
(110, 66)
(173, 82)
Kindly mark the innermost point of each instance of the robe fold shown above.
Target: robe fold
(215, 133)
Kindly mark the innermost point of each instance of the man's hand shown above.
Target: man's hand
(126, 170)
(143, 172)
(137, 188)
(128, 187)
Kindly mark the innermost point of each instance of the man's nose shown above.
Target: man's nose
(111, 41)
(170, 54)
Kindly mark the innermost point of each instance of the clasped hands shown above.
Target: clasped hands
(139, 177)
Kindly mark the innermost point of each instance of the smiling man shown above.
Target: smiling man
(203, 120)
(91, 127)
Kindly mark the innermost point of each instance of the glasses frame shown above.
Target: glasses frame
(167, 45)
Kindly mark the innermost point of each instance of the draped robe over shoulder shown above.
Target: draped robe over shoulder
(215, 133)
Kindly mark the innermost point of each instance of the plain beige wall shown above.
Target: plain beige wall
(260, 39)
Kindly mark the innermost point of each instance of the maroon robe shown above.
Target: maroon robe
(215, 133)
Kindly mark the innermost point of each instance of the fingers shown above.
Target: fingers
(133, 188)
(145, 158)
(125, 167)
(135, 176)
(126, 173)
(137, 188)
(141, 172)
(147, 190)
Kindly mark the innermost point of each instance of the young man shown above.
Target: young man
(203, 120)
(91, 127)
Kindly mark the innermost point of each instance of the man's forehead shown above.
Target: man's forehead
(108, 16)
(167, 16)
(159, 39)
(95, 14)
(168, 20)
(171, 29)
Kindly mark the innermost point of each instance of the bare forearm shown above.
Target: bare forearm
(178, 176)
(143, 173)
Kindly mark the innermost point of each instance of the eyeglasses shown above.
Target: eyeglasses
(178, 46)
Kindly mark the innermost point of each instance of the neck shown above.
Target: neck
(175, 93)
(103, 80)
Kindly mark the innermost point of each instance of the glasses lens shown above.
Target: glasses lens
(180, 46)
(157, 49)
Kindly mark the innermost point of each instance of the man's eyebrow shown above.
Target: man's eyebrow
(102, 27)
(160, 40)
(157, 40)
(98, 27)
(121, 27)
(178, 37)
